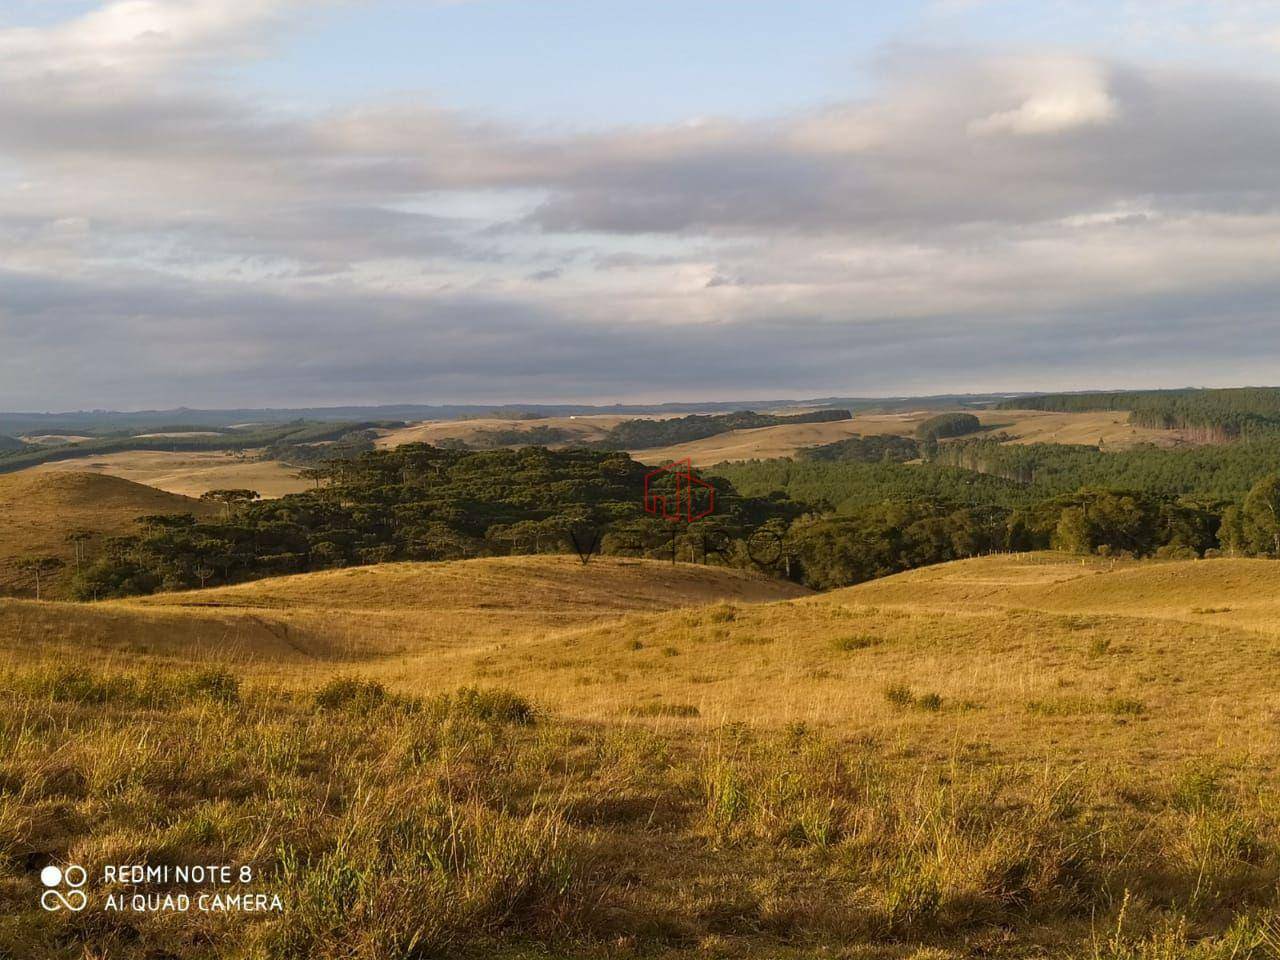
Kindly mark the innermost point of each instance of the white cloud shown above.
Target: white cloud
(129, 41)
(1058, 96)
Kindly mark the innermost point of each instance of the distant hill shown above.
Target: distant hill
(97, 421)
(648, 434)
(11, 444)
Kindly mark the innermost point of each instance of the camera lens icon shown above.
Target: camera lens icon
(54, 897)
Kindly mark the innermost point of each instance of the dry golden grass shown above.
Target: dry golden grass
(583, 429)
(1111, 430)
(38, 510)
(188, 474)
(1002, 757)
(1030, 657)
(371, 615)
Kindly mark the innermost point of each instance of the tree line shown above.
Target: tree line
(1208, 415)
(418, 502)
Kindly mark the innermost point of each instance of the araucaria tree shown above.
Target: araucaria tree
(38, 568)
(230, 499)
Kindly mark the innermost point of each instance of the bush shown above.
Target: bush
(489, 706)
(77, 685)
(217, 685)
(929, 701)
(899, 694)
(351, 695)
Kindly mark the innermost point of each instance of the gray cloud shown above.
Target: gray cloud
(1000, 222)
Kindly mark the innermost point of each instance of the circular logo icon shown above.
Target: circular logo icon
(55, 898)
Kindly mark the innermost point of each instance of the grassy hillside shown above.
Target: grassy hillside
(189, 474)
(1111, 429)
(525, 757)
(371, 616)
(584, 429)
(37, 511)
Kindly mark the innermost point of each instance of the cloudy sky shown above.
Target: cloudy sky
(301, 202)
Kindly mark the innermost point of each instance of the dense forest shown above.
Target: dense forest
(1205, 415)
(538, 436)
(946, 425)
(826, 524)
(864, 450)
(1225, 471)
(1015, 474)
(418, 502)
(646, 434)
(943, 427)
(1143, 502)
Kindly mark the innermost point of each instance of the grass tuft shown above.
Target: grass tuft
(856, 642)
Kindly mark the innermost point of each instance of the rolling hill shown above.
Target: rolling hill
(38, 510)
(1011, 756)
(1009, 644)
(583, 429)
(1026, 654)
(421, 610)
(188, 474)
(1111, 428)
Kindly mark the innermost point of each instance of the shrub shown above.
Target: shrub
(913, 896)
(1197, 788)
(350, 694)
(899, 694)
(217, 685)
(929, 701)
(487, 706)
(76, 685)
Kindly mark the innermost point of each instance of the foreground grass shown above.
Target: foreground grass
(466, 823)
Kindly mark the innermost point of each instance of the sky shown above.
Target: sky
(231, 203)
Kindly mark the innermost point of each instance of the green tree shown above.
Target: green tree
(1262, 516)
(1074, 533)
(230, 499)
(1231, 533)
